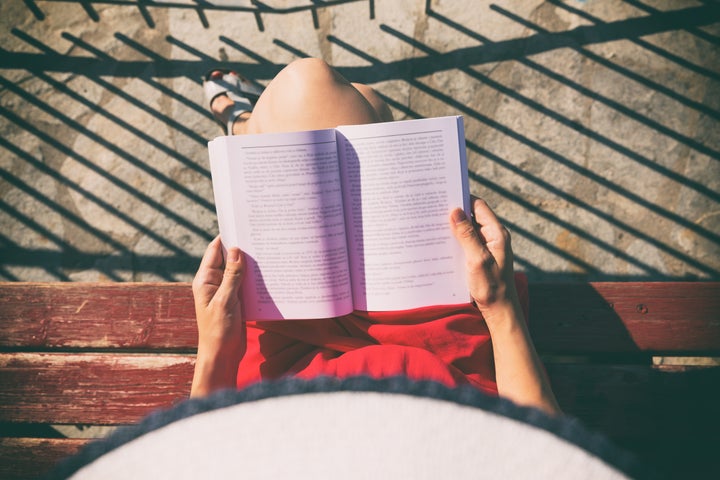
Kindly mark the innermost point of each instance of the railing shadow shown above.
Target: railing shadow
(257, 8)
(148, 120)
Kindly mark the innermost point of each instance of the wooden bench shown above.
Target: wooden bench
(107, 354)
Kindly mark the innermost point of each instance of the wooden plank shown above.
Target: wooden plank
(110, 389)
(97, 315)
(628, 317)
(25, 458)
(640, 401)
(668, 318)
(101, 389)
(668, 416)
(652, 410)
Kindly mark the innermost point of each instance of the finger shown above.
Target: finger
(483, 213)
(492, 231)
(232, 277)
(213, 257)
(465, 232)
(494, 235)
(210, 270)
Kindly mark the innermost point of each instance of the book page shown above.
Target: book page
(400, 182)
(286, 214)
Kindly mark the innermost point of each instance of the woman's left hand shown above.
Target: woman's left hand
(221, 329)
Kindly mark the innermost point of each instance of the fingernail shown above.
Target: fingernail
(458, 216)
(233, 255)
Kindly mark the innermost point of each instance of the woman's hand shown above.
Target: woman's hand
(519, 373)
(221, 329)
(489, 258)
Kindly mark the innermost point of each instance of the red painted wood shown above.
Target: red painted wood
(109, 389)
(98, 315)
(88, 388)
(663, 318)
(644, 408)
(26, 458)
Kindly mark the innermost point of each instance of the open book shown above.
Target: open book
(352, 218)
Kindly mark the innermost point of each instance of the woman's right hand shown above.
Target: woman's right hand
(489, 258)
(519, 373)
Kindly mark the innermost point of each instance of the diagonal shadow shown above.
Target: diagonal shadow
(693, 31)
(70, 256)
(159, 86)
(107, 207)
(619, 69)
(184, 46)
(156, 85)
(156, 57)
(39, 197)
(405, 70)
(270, 68)
(254, 55)
(10, 250)
(578, 262)
(81, 129)
(119, 183)
(461, 57)
(588, 269)
(519, 200)
(165, 267)
(612, 103)
(568, 163)
(638, 41)
(61, 87)
(581, 129)
(543, 42)
(41, 230)
(532, 208)
(7, 275)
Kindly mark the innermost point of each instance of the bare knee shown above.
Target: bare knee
(311, 73)
(378, 104)
(310, 94)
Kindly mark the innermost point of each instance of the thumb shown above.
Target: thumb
(232, 276)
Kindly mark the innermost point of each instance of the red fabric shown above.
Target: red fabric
(447, 344)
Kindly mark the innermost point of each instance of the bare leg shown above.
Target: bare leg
(377, 103)
(308, 94)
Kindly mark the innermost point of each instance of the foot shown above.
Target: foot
(222, 108)
(231, 98)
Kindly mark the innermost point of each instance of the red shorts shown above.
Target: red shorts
(447, 344)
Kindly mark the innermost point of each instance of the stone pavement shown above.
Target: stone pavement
(592, 127)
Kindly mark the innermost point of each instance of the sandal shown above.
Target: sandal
(243, 92)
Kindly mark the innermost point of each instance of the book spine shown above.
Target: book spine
(462, 152)
(220, 171)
